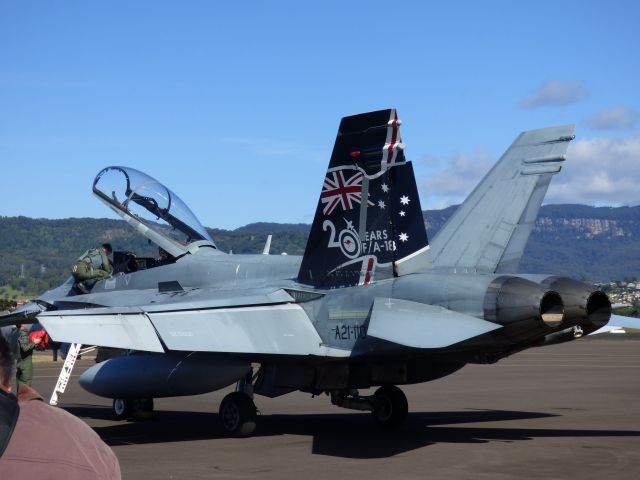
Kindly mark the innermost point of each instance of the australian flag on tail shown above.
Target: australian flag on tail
(368, 224)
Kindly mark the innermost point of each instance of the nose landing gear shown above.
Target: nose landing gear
(132, 408)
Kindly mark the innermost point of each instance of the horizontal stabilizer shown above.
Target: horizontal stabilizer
(419, 325)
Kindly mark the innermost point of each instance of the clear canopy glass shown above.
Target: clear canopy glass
(144, 199)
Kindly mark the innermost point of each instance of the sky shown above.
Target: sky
(235, 105)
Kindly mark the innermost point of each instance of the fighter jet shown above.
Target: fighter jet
(371, 303)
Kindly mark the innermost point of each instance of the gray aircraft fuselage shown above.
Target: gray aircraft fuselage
(340, 315)
(371, 302)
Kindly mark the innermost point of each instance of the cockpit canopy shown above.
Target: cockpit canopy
(151, 208)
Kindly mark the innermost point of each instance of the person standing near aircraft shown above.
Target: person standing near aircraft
(24, 356)
(93, 265)
(40, 441)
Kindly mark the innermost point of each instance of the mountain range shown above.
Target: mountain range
(589, 243)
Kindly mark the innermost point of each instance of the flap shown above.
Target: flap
(270, 329)
(119, 330)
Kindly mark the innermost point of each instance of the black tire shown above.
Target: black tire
(122, 408)
(238, 415)
(142, 408)
(147, 405)
(391, 407)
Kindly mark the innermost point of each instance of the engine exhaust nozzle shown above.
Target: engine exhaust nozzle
(585, 307)
(510, 300)
(552, 309)
(598, 310)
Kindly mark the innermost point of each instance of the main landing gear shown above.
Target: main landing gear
(388, 405)
(237, 411)
(238, 414)
(132, 408)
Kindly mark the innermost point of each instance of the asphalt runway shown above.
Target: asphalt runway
(560, 412)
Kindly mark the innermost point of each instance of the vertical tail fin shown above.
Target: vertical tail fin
(368, 223)
(489, 231)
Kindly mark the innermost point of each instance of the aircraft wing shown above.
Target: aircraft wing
(269, 324)
(489, 231)
(26, 313)
(617, 322)
(273, 325)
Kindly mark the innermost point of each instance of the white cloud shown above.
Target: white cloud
(455, 179)
(599, 171)
(555, 92)
(619, 118)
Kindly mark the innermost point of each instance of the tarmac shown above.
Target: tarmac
(560, 412)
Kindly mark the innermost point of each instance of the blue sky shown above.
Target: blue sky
(235, 105)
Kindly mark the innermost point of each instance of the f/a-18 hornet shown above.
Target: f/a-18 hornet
(371, 303)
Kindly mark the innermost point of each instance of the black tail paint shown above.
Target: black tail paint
(368, 220)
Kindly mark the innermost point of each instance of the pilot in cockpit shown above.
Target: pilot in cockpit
(92, 266)
(164, 257)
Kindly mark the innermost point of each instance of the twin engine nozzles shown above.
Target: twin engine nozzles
(511, 300)
(529, 309)
(583, 306)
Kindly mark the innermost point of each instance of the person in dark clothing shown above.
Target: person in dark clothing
(93, 265)
(24, 356)
(164, 257)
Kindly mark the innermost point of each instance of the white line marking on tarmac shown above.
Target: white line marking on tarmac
(529, 354)
(573, 365)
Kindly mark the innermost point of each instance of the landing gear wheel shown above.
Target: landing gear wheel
(142, 408)
(391, 407)
(122, 408)
(238, 415)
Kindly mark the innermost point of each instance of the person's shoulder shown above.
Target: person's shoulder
(26, 393)
(57, 416)
(46, 435)
(33, 407)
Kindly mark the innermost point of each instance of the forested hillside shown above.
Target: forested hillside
(600, 244)
(596, 244)
(590, 243)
